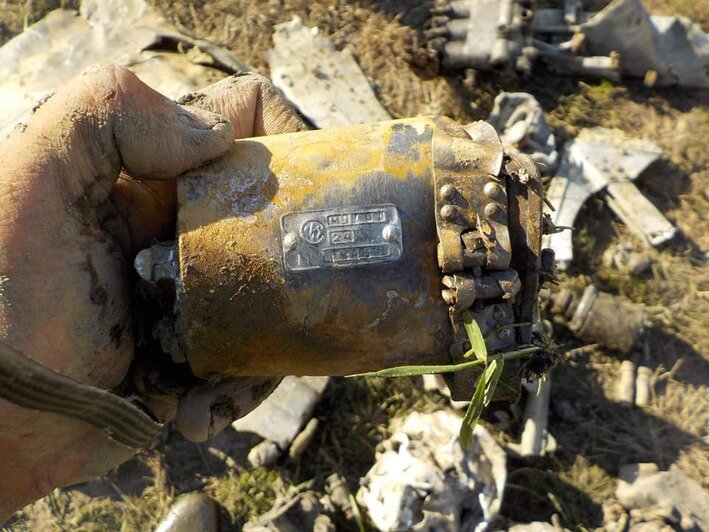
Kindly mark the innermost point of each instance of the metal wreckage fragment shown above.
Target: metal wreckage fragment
(483, 34)
(607, 161)
(621, 40)
(335, 252)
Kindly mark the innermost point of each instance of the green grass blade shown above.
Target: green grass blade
(415, 371)
(472, 415)
(492, 377)
(475, 335)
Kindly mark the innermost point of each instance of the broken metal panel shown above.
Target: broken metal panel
(606, 67)
(52, 51)
(638, 213)
(567, 195)
(673, 47)
(49, 53)
(326, 85)
(600, 159)
(281, 416)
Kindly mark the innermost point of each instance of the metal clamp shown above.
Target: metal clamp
(471, 201)
(479, 227)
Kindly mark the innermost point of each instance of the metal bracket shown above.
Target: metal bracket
(471, 201)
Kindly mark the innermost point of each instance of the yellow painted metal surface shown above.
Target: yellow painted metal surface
(241, 312)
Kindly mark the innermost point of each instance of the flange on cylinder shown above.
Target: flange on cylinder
(335, 252)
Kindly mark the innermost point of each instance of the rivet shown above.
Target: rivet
(504, 334)
(390, 233)
(290, 241)
(447, 212)
(448, 192)
(494, 192)
(491, 209)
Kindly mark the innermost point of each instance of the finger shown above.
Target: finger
(253, 105)
(207, 409)
(106, 119)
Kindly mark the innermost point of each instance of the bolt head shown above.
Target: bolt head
(390, 233)
(447, 212)
(290, 241)
(494, 191)
(448, 192)
(491, 209)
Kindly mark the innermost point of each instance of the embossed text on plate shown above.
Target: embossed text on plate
(340, 238)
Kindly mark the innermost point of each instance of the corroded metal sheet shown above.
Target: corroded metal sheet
(341, 237)
(326, 85)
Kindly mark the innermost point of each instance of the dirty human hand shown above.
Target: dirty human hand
(83, 187)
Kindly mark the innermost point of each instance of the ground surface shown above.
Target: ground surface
(579, 478)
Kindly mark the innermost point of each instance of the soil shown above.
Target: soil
(594, 434)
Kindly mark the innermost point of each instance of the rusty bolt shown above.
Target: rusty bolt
(448, 192)
(494, 192)
(491, 209)
(447, 212)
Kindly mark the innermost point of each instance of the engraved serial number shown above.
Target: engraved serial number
(356, 218)
(343, 255)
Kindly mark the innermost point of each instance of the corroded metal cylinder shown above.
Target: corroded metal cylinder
(597, 317)
(323, 252)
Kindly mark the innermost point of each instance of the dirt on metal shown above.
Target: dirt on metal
(594, 434)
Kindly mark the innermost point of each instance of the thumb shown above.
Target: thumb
(106, 119)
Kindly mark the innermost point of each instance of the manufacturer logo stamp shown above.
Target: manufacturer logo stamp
(313, 231)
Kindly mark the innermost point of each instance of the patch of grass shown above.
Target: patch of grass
(247, 494)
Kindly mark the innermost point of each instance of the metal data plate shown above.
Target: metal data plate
(340, 238)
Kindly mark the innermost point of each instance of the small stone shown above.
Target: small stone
(302, 440)
(280, 417)
(194, 511)
(265, 454)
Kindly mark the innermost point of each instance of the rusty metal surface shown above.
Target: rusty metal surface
(464, 169)
(524, 213)
(248, 305)
(241, 312)
(596, 319)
